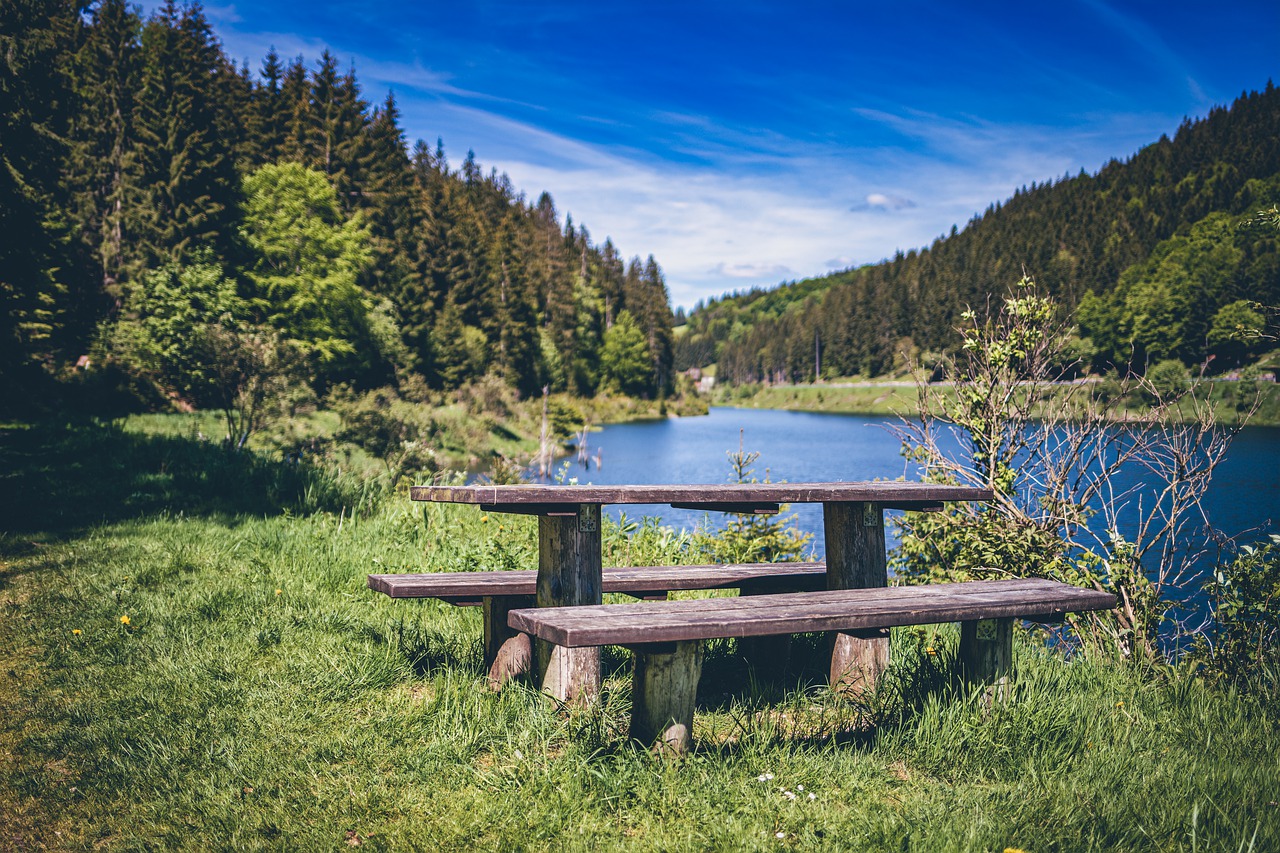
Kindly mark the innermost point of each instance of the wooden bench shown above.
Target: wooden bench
(667, 636)
(507, 652)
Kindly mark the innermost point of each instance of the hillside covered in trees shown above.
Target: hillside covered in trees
(1156, 252)
(176, 220)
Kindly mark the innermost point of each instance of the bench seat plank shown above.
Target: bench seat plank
(804, 612)
(466, 587)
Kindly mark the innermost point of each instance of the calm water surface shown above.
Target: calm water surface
(812, 447)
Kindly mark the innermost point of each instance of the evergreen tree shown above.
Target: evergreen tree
(103, 146)
(308, 259)
(36, 102)
(185, 178)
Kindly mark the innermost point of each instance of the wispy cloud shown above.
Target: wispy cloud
(751, 271)
(1151, 43)
(884, 201)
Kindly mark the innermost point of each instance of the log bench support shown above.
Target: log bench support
(507, 652)
(986, 656)
(856, 560)
(570, 574)
(664, 689)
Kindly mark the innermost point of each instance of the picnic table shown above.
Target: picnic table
(570, 569)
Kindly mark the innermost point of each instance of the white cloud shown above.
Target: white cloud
(884, 201)
(753, 271)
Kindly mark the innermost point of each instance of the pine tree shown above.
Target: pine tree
(107, 77)
(36, 101)
(186, 182)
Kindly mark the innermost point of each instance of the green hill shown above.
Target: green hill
(1161, 235)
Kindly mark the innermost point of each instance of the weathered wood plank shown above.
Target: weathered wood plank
(891, 494)
(470, 587)
(794, 613)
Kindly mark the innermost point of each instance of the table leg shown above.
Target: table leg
(569, 573)
(856, 559)
(507, 653)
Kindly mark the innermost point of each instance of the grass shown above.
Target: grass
(899, 396)
(261, 697)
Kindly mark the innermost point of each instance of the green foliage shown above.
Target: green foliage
(626, 365)
(165, 318)
(1235, 335)
(390, 430)
(1148, 249)
(308, 258)
(1054, 456)
(36, 287)
(1168, 380)
(751, 538)
(1243, 640)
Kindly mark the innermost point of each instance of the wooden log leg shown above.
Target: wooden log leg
(856, 560)
(664, 689)
(507, 653)
(986, 655)
(569, 573)
(857, 661)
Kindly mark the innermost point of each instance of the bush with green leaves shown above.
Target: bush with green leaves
(1053, 456)
(1166, 381)
(1243, 639)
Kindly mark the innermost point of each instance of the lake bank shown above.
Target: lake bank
(892, 397)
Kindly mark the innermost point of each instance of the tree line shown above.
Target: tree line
(1156, 252)
(156, 198)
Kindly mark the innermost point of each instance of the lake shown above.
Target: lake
(808, 447)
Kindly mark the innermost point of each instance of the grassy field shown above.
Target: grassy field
(900, 396)
(192, 661)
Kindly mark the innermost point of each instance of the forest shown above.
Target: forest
(177, 227)
(1158, 256)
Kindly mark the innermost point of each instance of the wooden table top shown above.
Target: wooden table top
(894, 495)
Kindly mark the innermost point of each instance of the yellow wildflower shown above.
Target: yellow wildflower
(930, 651)
(75, 631)
(279, 592)
(484, 518)
(124, 620)
(1014, 850)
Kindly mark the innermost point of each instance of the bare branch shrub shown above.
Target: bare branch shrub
(1085, 491)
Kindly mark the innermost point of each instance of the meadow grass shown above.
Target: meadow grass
(1228, 399)
(259, 696)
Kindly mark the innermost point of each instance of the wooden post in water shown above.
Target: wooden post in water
(663, 693)
(569, 573)
(856, 560)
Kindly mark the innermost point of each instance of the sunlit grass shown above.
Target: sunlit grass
(259, 696)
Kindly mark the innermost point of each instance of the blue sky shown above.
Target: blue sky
(746, 143)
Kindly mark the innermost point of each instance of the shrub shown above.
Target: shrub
(1244, 601)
